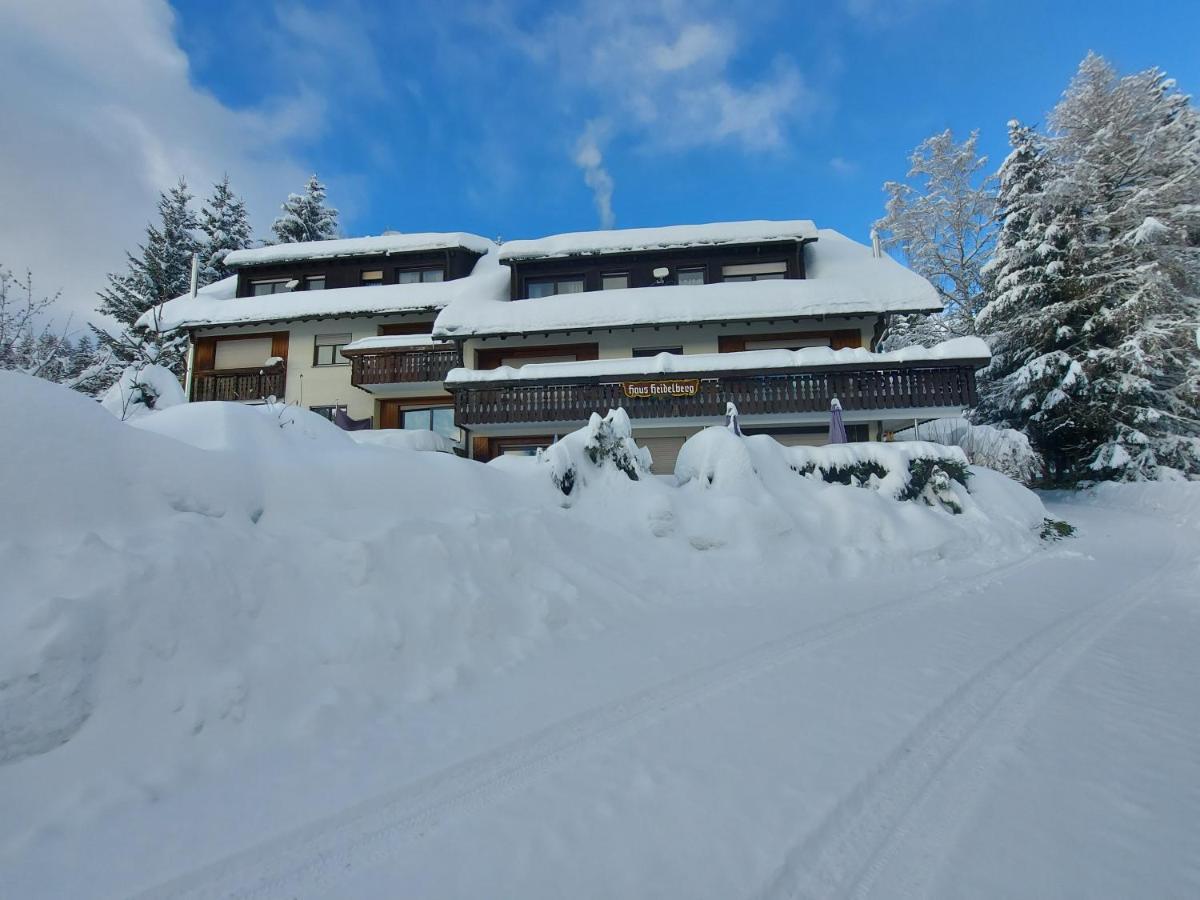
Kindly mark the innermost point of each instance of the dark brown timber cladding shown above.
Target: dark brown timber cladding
(894, 387)
(839, 339)
(253, 383)
(399, 366)
(492, 357)
(640, 266)
(347, 271)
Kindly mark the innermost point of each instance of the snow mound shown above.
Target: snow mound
(404, 439)
(141, 390)
(1004, 449)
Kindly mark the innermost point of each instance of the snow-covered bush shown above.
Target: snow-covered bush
(1004, 449)
(912, 470)
(604, 445)
(143, 389)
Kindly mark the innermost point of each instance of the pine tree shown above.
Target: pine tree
(306, 217)
(160, 271)
(226, 227)
(1097, 280)
(943, 223)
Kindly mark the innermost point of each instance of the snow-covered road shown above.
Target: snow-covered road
(1026, 730)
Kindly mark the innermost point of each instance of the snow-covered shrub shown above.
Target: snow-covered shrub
(143, 389)
(912, 470)
(603, 445)
(1004, 449)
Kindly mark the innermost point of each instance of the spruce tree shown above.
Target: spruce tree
(226, 227)
(1097, 280)
(306, 217)
(160, 271)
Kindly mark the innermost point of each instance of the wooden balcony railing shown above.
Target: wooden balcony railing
(370, 367)
(903, 386)
(239, 384)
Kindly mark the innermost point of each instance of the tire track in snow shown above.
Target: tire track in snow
(300, 862)
(851, 847)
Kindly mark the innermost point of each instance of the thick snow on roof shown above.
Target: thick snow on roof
(217, 305)
(393, 342)
(634, 239)
(362, 246)
(968, 348)
(844, 278)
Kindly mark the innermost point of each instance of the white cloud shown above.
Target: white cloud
(99, 114)
(842, 166)
(590, 158)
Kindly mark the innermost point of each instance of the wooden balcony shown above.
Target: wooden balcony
(239, 384)
(379, 367)
(779, 392)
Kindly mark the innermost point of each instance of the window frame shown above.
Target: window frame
(309, 279)
(255, 282)
(363, 281)
(420, 272)
(741, 277)
(555, 280)
(604, 276)
(703, 270)
(317, 345)
(647, 352)
(431, 409)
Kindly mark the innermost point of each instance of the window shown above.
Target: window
(789, 343)
(327, 350)
(639, 352)
(690, 276)
(419, 276)
(327, 411)
(547, 287)
(273, 286)
(372, 277)
(517, 361)
(439, 419)
(755, 272)
(614, 282)
(314, 283)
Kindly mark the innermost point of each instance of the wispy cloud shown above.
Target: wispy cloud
(590, 158)
(843, 167)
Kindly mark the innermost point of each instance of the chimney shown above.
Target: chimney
(195, 275)
(876, 247)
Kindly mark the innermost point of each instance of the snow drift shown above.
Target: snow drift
(215, 578)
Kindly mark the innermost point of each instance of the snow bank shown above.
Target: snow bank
(1003, 449)
(964, 348)
(403, 439)
(141, 390)
(631, 240)
(1176, 501)
(842, 278)
(373, 245)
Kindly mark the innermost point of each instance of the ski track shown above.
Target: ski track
(923, 791)
(300, 862)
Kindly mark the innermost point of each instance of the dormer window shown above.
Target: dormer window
(371, 277)
(755, 271)
(548, 287)
(420, 276)
(314, 283)
(614, 281)
(270, 286)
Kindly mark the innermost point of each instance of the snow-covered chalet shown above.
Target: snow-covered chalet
(502, 348)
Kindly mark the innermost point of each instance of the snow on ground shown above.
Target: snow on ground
(241, 654)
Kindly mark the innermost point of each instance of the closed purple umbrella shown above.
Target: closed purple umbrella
(343, 421)
(837, 428)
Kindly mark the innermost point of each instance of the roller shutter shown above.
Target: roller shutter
(664, 450)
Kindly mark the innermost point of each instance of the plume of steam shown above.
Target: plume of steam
(590, 159)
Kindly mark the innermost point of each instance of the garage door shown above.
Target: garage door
(664, 450)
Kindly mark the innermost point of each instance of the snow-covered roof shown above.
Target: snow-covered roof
(972, 349)
(843, 278)
(361, 246)
(392, 342)
(217, 304)
(625, 240)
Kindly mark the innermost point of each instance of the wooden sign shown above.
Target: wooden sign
(667, 387)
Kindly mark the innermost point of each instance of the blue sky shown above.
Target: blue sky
(440, 116)
(516, 119)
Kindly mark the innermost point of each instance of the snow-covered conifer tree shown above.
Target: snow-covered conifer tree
(226, 227)
(942, 220)
(1096, 282)
(306, 217)
(160, 271)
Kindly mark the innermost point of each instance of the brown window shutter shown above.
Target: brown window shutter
(730, 343)
(849, 337)
(279, 344)
(205, 355)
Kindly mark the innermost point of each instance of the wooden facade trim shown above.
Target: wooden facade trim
(839, 339)
(491, 357)
(390, 411)
(346, 271)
